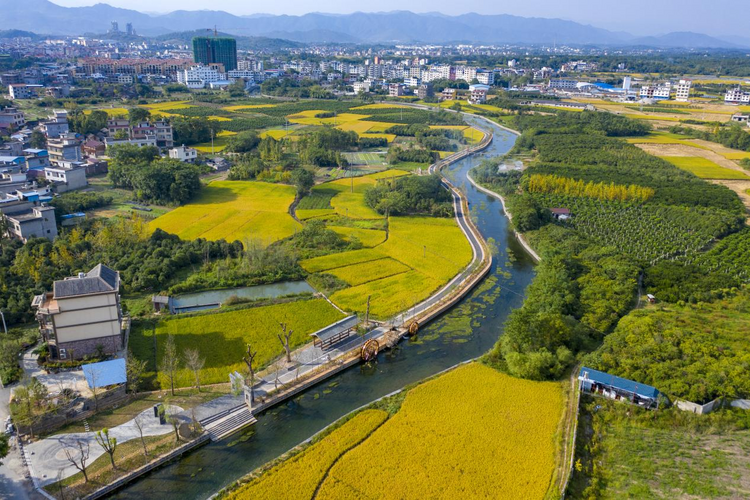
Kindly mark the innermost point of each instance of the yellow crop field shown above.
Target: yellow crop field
(308, 118)
(368, 237)
(219, 144)
(382, 105)
(431, 250)
(736, 156)
(299, 476)
(472, 135)
(380, 126)
(333, 261)
(356, 126)
(705, 169)
(357, 274)
(275, 133)
(248, 106)
(234, 210)
(219, 118)
(166, 106)
(470, 433)
(450, 127)
(388, 296)
(110, 111)
(221, 337)
(387, 137)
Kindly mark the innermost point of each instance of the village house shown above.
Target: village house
(82, 315)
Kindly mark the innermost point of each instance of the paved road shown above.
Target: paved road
(48, 455)
(13, 485)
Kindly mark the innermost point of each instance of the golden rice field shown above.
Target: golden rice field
(110, 111)
(219, 118)
(368, 237)
(234, 210)
(299, 476)
(343, 259)
(166, 106)
(473, 432)
(433, 250)
(356, 274)
(308, 118)
(275, 133)
(705, 169)
(382, 105)
(221, 337)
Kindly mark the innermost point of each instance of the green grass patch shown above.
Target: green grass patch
(221, 337)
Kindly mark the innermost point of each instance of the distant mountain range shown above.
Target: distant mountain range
(42, 16)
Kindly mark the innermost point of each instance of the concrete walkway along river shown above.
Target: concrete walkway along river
(469, 330)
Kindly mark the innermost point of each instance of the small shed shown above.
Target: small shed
(560, 213)
(105, 373)
(160, 303)
(618, 388)
(327, 337)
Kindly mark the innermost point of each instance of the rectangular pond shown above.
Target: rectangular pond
(211, 299)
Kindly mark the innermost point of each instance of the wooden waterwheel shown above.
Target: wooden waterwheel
(370, 350)
(413, 328)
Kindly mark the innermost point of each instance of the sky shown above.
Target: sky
(713, 17)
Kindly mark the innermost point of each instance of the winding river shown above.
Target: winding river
(467, 331)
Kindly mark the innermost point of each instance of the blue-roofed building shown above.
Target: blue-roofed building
(613, 387)
(105, 373)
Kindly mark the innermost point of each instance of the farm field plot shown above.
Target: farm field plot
(221, 337)
(166, 106)
(368, 237)
(358, 274)
(234, 210)
(638, 461)
(431, 250)
(365, 158)
(382, 105)
(308, 118)
(276, 134)
(703, 168)
(110, 111)
(306, 214)
(335, 260)
(463, 433)
(243, 107)
(308, 468)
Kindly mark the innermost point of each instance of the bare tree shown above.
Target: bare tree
(194, 363)
(60, 484)
(170, 361)
(108, 444)
(248, 359)
(135, 369)
(138, 421)
(171, 417)
(94, 379)
(79, 462)
(284, 337)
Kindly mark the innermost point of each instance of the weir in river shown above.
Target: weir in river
(465, 332)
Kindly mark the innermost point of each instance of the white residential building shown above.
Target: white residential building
(656, 91)
(412, 81)
(682, 91)
(183, 153)
(466, 73)
(486, 77)
(478, 93)
(361, 87)
(737, 96)
(563, 84)
(198, 77)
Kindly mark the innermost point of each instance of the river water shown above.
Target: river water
(468, 330)
(212, 299)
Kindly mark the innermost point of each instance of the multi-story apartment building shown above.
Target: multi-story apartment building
(396, 89)
(11, 119)
(198, 77)
(486, 77)
(184, 154)
(682, 90)
(161, 130)
(737, 96)
(425, 90)
(215, 50)
(56, 124)
(111, 67)
(478, 93)
(81, 316)
(25, 220)
(21, 91)
(466, 73)
(656, 91)
(66, 147)
(562, 84)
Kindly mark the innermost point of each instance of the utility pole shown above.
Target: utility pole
(5, 327)
(212, 142)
